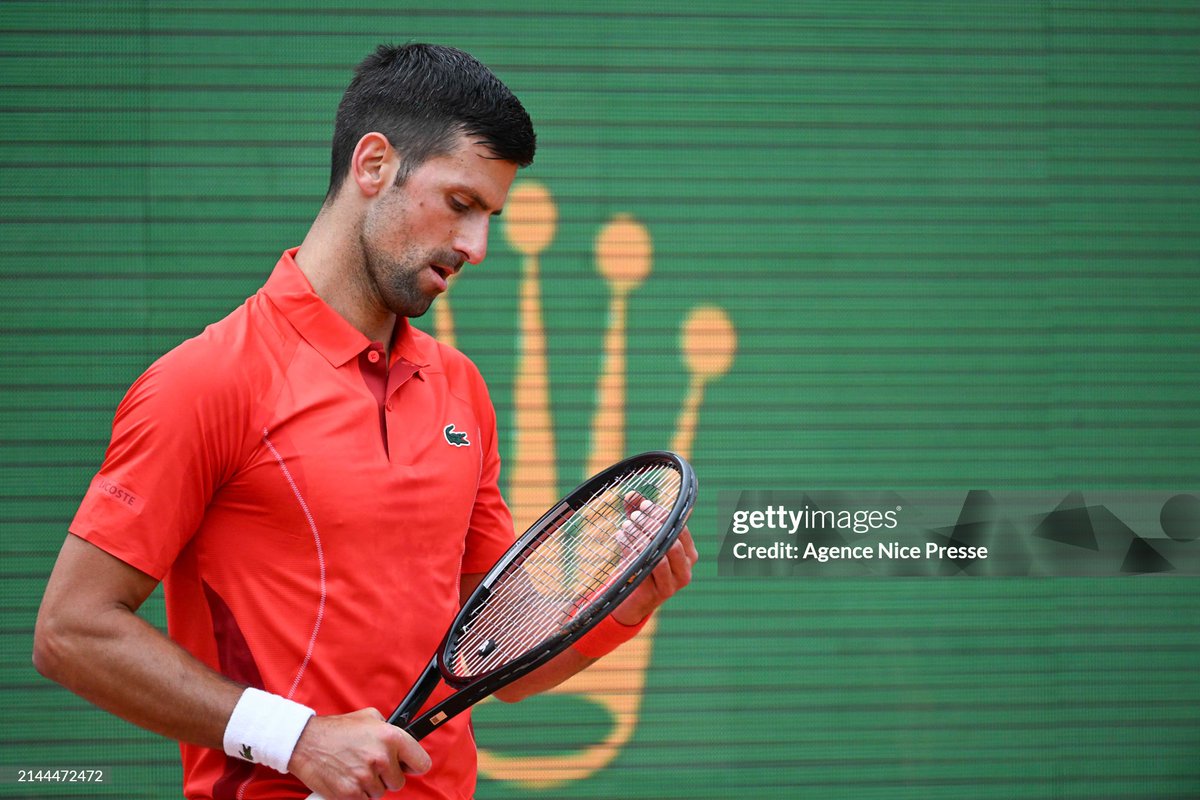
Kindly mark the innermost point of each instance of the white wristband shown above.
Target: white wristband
(264, 729)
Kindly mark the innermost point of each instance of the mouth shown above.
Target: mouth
(445, 272)
(442, 275)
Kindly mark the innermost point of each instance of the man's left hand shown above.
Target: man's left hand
(671, 574)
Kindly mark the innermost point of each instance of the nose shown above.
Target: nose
(471, 239)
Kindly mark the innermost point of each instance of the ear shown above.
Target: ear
(374, 163)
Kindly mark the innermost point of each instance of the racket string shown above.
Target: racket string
(574, 560)
(591, 524)
(528, 580)
(543, 615)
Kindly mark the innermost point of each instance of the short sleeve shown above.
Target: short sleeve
(175, 437)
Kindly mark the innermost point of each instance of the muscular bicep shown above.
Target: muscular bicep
(86, 582)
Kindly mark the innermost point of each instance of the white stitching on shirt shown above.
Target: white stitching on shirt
(312, 526)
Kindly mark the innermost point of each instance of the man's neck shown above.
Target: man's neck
(331, 258)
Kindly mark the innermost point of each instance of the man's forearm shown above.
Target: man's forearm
(128, 668)
(670, 575)
(101, 650)
(551, 674)
(90, 639)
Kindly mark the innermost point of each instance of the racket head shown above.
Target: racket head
(570, 569)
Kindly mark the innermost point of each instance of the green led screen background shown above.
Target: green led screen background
(950, 245)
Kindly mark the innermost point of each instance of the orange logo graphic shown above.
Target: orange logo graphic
(624, 258)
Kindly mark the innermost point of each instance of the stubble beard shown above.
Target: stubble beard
(397, 282)
(394, 282)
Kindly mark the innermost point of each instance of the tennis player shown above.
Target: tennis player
(315, 482)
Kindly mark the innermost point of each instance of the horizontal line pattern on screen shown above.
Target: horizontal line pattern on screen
(958, 243)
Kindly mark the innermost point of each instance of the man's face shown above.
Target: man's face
(416, 235)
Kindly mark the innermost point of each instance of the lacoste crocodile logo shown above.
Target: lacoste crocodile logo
(456, 438)
(247, 753)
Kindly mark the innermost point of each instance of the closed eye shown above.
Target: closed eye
(462, 199)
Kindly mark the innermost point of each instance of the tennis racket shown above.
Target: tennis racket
(561, 577)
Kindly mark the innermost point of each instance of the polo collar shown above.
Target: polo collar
(323, 328)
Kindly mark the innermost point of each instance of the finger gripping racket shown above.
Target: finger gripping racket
(561, 577)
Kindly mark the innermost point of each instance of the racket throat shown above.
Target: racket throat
(416, 696)
(432, 719)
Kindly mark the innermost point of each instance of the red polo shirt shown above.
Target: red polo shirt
(310, 509)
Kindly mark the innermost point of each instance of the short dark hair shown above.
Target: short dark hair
(422, 97)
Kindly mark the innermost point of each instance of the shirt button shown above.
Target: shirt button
(373, 356)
